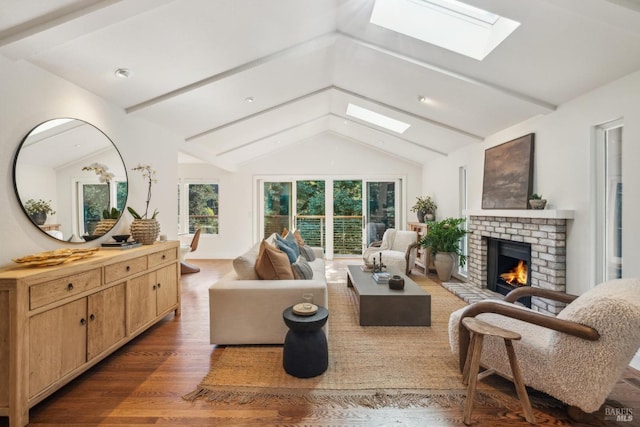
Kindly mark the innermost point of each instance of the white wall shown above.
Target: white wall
(564, 171)
(324, 155)
(31, 96)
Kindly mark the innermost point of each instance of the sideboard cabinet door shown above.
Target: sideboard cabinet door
(106, 310)
(58, 343)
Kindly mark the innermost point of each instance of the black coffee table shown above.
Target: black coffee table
(305, 353)
(381, 306)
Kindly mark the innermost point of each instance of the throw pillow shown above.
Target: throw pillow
(273, 264)
(292, 244)
(307, 252)
(291, 255)
(299, 238)
(245, 266)
(301, 269)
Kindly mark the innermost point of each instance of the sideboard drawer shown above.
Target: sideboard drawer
(124, 269)
(162, 257)
(55, 290)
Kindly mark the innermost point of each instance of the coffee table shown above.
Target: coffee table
(380, 306)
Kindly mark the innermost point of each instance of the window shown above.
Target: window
(609, 199)
(199, 200)
(449, 24)
(463, 194)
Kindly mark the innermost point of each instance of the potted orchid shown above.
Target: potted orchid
(110, 215)
(144, 229)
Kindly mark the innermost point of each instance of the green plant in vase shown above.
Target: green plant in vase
(443, 239)
(38, 210)
(425, 208)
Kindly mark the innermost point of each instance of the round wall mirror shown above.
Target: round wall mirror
(70, 180)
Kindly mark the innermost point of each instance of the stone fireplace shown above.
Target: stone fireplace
(544, 232)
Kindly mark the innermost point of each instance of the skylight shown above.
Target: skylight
(377, 119)
(450, 24)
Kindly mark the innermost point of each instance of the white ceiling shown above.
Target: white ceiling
(194, 62)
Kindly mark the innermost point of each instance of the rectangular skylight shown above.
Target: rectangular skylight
(377, 119)
(450, 24)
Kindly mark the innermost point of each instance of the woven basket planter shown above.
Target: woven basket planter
(145, 231)
(104, 226)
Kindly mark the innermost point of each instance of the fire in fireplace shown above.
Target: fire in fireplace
(507, 266)
(517, 276)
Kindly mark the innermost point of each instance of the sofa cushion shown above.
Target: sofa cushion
(272, 263)
(301, 269)
(307, 252)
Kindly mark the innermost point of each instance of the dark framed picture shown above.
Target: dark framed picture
(508, 174)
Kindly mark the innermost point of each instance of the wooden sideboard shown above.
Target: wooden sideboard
(424, 259)
(57, 322)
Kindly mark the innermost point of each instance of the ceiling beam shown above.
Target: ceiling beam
(313, 44)
(415, 116)
(258, 113)
(366, 125)
(346, 92)
(449, 73)
(51, 20)
(298, 125)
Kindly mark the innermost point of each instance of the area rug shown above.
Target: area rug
(368, 366)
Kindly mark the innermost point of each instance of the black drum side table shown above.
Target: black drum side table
(305, 352)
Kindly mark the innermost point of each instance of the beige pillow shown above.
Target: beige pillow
(273, 264)
(298, 237)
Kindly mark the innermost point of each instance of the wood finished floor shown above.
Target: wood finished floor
(142, 384)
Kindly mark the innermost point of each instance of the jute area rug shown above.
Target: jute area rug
(368, 366)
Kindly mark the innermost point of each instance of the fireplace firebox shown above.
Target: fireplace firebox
(508, 263)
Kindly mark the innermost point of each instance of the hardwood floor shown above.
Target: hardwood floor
(142, 384)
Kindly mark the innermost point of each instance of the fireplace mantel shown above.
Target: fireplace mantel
(524, 213)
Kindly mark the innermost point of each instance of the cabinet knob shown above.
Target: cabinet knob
(154, 287)
(83, 321)
(92, 317)
(159, 285)
(128, 268)
(70, 287)
(164, 256)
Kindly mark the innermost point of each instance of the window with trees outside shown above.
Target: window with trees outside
(198, 207)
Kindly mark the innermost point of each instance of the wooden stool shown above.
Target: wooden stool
(470, 376)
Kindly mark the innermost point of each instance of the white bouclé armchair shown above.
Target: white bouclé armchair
(576, 356)
(398, 249)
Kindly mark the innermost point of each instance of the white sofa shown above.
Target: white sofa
(246, 310)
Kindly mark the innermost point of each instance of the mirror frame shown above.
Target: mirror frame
(22, 203)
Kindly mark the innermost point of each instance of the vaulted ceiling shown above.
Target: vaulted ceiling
(238, 78)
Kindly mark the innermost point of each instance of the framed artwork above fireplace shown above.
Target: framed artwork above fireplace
(508, 174)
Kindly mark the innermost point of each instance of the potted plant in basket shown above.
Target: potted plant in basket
(38, 210)
(425, 208)
(143, 229)
(443, 239)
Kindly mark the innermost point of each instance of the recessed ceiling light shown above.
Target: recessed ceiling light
(248, 99)
(123, 73)
(425, 100)
(377, 119)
